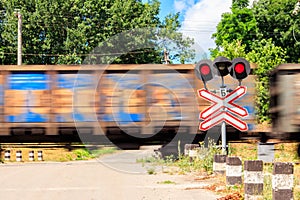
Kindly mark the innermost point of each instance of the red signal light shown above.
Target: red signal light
(205, 70)
(239, 68)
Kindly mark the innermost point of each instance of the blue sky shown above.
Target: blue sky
(199, 19)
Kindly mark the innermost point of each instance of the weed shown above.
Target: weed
(267, 192)
(151, 171)
(167, 182)
(169, 160)
(150, 159)
(296, 194)
(82, 154)
(204, 160)
(206, 157)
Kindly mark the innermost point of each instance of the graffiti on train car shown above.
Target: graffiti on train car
(27, 97)
(171, 95)
(74, 97)
(129, 98)
(122, 98)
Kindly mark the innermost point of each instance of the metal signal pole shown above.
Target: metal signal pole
(223, 93)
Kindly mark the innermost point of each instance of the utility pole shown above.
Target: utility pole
(19, 57)
(166, 59)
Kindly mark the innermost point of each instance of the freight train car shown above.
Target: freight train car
(136, 103)
(285, 102)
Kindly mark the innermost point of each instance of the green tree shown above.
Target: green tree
(65, 31)
(239, 24)
(240, 3)
(275, 20)
(266, 56)
(230, 50)
(263, 36)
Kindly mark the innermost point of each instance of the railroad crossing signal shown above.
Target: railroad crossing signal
(219, 110)
(223, 109)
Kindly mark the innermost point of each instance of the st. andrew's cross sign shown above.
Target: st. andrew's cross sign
(223, 109)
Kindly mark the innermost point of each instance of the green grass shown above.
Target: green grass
(103, 151)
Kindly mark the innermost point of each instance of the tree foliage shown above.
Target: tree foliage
(266, 19)
(240, 24)
(275, 20)
(264, 36)
(65, 31)
(266, 56)
(230, 50)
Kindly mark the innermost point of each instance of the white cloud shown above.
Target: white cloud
(179, 6)
(201, 19)
(183, 5)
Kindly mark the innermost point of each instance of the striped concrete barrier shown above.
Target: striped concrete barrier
(7, 155)
(233, 171)
(19, 156)
(40, 155)
(219, 164)
(31, 155)
(283, 181)
(253, 179)
(191, 150)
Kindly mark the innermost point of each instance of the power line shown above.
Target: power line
(90, 54)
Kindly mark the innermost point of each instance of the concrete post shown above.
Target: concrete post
(31, 155)
(253, 179)
(233, 171)
(283, 181)
(219, 164)
(40, 155)
(7, 155)
(19, 156)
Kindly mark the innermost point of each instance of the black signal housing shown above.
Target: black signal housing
(222, 64)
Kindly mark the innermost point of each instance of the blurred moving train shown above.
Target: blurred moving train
(285, 102)
(124, 103)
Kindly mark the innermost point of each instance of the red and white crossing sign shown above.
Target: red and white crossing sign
(220, 110)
